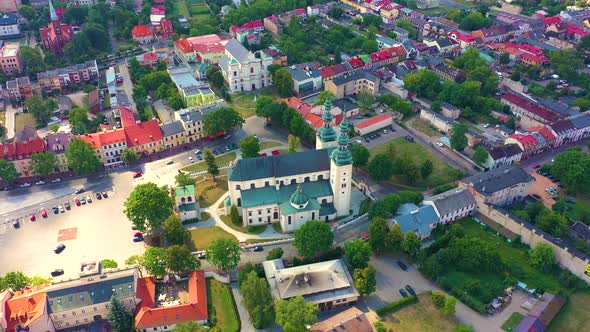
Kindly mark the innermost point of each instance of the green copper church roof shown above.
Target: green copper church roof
(299, 197)
(327, 134)
(342, 156)
(344, 126)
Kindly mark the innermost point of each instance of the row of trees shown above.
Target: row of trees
(157, 82)
(16, 281)
(287, 117)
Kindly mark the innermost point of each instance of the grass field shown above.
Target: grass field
(201, 238)
(245, 103)
(269, 144)
(512, 322)
(441, 174)
(574, 316)
(422, 316)
(209, 191)
(255, 229)
(222, 160)
(23, 119)
(222, 310)
(180, 8)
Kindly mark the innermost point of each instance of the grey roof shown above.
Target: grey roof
(505, 129)
(581, 121)
(418, 221)
(64, 101)
(452, 200)
(191, 115)
(237, 50)
(26, 133)
(581, 230)
(444, 42)
(502, 151)
(562, 126)
(172, 128)
(8, 19)
(299, 74)
(358, 75)
(558, 107)
(385, 40)
(281, 165)
(497, 179)
(344, 105)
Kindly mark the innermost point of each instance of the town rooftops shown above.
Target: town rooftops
(256, 24)
(190, 115)
(237, 50)
(497, 179)
(530, 106)
(57, 143)
(190, 44)
(504, 151)
(270, 195)
(351, 319)
(143, 133)
(416, 219)
(141, 31)
(373, 120)
(172, 128)
(8, 19)
(581, 121)
(299, 74)
(452, 200)
(25, 307)
(361, 74)
(525, 140)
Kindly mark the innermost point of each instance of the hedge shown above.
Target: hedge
(394, 306)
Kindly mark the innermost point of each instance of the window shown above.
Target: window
(237, 187)
(73, 313)
(259, 212)
(289, 220)
(190, 199)
(249, 213)
(251, 70)
(259, 219)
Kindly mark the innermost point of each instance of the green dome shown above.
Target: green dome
(327, 117)
(343, 139)
(344, 126)
(328, 104)
(327, 134)
(299, 197)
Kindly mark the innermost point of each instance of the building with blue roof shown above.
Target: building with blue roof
(418, 219)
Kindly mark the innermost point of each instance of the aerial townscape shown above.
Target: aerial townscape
(290, 165)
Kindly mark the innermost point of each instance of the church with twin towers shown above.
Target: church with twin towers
(291, 189)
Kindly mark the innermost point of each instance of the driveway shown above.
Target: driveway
(10, 120)
(538, 187)
(127, 84)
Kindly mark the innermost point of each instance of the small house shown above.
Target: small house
(186, 203)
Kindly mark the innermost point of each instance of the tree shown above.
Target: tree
(15, 281)
(129, 155)
(295, 314)
(32, 60)
(154, 261)
(449, 306)
(381, 167)
(79, 120)
(38, 280)
(426, 169)
(109, 263)
(323, 96)
(552, 222)
(360, 155)
(148, 206)
(214, 76)
(358, 253)
(179, 259)
(378, 230)
(258, 300)
(313, 237)
(221, 120)
(39, 108)
(27, 12)
(365, 100)
(275, 253)
(394, 239)
(480, 155)
(505, 58)
(119, 317)
(183, 179)
(211, 162)
(250, 147)
(8, 171)
(283, 82)
(438, 299)
(264, 106)
(463, 328)
(474, 21)
(175, 233)
(543, 257)
(424, 82)
(336, 12)
(224, 254)
(190, 326)
(81, 157)
(365, 280)
(294, 143)
(370, 46)
(411, 244)
(458, 138)
(234, 215)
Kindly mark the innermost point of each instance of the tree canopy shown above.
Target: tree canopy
(224, 254)
(148, 206)
(358, 253)
(8, 171)
(211, 162)
(381, 167)
(82, 157)
(119, 317)
(543, 257)
(174, 231)
(258, 300)
(360, 155)
(221, 120)
(480, 155)
(294, 314)
(313, 237)
(43, 163)
(458, 138)
(365, 280)
(249, 147)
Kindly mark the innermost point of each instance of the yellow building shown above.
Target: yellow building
(173, 134)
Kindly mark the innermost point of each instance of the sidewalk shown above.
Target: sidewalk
(245, 323)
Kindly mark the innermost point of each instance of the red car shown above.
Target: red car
(32, 217)
(137, 174)
(44, 213)
(77, 201)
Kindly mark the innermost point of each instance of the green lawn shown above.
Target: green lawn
(209, 191)
(180, 8)
(399, 147)
(422, 316)
(222, 160)
(23, 119)
(245, 103)
(574, 316)
(221, 306)
(424, 127)
(201, 238)
(512, 322)
(253, 229)
(269, 144)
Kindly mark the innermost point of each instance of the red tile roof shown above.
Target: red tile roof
(158, 10)
(7, 151)
(575, 30)
(92, 138)
(327, 72)
(127, 117)
(252, 25)
(25, 307)
(301, 11)
(187, 45)
(141, 31)
(148, 316)
(152, 56)
(143, 133)
(356, 63)
(299, 105)
(349, 320)
(551, 20)
(527, 141)
(27, 148)
(373, 120)
(531, 107)
(545, 132)
(111, 137)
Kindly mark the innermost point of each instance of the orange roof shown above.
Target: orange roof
(141, 31)
(26, 307)
(349, 320)
(187, 45)
(302, 107)
(127, 117)
(372, 121)
(147, 316)
(112, 136)
(143, 133)
(93, 139)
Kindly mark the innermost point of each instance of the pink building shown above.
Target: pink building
(10, 59)
(9, 6)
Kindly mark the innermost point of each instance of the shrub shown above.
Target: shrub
(364, 207)
(443, 187)
(108, 264)
(394, 306)
(250, 229)
(438, 299)
(276, 253)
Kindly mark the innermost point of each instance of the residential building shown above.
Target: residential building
(81, 301)
(450, 111)
(208, 48)
(57, 144)
(528, 143)
(94, 101)
(438, 120)
(39, 4)
(9, 28)
(157, 14)
(192, 91)
(10, 59)
(19, 88)
(61, 78)
(56, 35)
(530, 112)
(351, 319)
(327, 284)
(389, 13)
(4, 297)
(244, 70)
(564, 131)
(541, 314)
(273, 25)
(313, 114)
(373, 124)
(351, 84)
(452, 205)
(447, 73)
(500, 186)
(151, 59)
(10, 6)
(64, 104)
(192, 121)
(582, 126)
(27, 310)
(330, 72)
(305, 81)
(419, 220)
(241, 32)
(282, 189)
(173, 134)
(165, 29)
(108, 145)
(144, 137)
(385, 42)
(186, 202)
(502, 155)
(142, 34)
(278, 57)
(20, 152)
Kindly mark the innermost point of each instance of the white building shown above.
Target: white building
(294, 188)
(9, 27)
(244, 70)
(186, 202)
(452, 205)
(500, 186)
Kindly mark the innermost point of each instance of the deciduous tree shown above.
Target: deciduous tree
(183, 179)
(212, 167)
(13, 280)
(7, 170)
(224, 254)
(283, 83)
(40, 109)
(411, 244)
(358, 253)
(313, 237)
(321, 99)
(179, 259)
(249, 147)
(438, 299)
(365, 280)
(381, 167)
(129, 155)
(543, 257)
(148, 206)
(449, 306)
(360, 155)
(295, 314)
(365, 100)
(378, 230)
(221, 120)
(154, 261)
(426, 169)
(394, 239)
(43, 163)
(458, 138)
(82, 157)
(276, 253)
(480, 155)
(175, 233)
(108, 263)
(258, 300)
(191, 326)
(234, 215)
(294, 143)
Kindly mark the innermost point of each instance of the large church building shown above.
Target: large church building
(294, 188)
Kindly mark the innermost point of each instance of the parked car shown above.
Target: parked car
(43, 213)
(410, 290)
(79, 191)
(98, 196)
(32, 217)
(60, 247)
(16, 224)
(440, 144)
(403, 292)
(258, 248)
(67, 206)
(198, 151)
(200, 156)
(55, 210)
(170, 162)
(201, 255)
(537, 166)
(409, 138)
(83, 200)
(61, 209)
(137, 174)
(191, 160)
(56, 180)
(40, 182)
(104, 194)
(88, 199)
(402, 265)
(57, 272)
(138, 238)
(24, 185)
(77, 202)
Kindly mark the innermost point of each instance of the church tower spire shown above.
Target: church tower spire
(326, 135)
(52, 13)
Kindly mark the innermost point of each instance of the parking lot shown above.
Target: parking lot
(380, 137)
(96, 230)
(539, 186)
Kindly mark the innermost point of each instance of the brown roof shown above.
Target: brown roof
(547, 308)
(349, 320)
